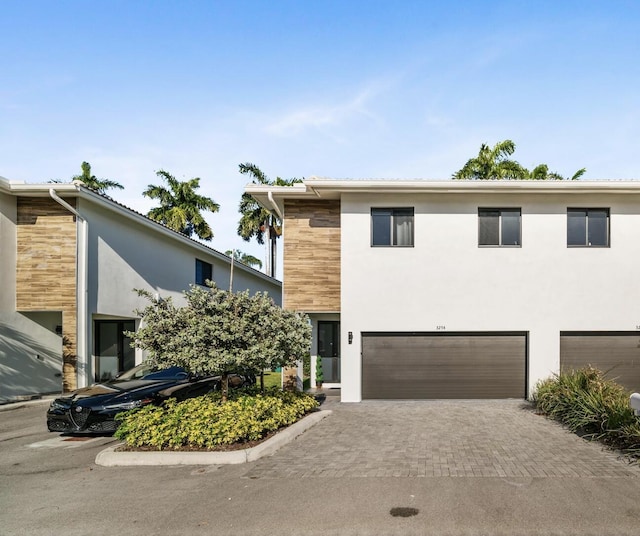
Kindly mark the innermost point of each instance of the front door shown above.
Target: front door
(329, 350)
(113, 348)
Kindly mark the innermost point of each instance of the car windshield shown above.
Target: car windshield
(133, 374)
(145, 372)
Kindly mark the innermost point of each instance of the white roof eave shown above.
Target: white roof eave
(334, 188)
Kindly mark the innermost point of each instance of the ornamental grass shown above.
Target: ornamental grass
(595, 407)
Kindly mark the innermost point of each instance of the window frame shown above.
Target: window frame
(200, 264)
(607, 210)
(394, 213)
(500, 226)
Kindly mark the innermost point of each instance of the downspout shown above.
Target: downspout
(82, 290)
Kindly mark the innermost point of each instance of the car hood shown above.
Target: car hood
(101, 393)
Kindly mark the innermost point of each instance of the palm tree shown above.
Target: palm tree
(180, 206)
(492, 163)
(91, 181)
(255, 220)
(541, 173)
(244, 258)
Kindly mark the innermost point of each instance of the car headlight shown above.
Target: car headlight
(132, 404)
(57, 405)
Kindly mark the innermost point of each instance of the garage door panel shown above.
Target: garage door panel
(436, 366)
(616, 354)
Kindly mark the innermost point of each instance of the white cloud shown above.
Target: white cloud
(319, 116)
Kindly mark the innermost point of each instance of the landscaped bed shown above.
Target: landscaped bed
(588, 404)
(207, 423)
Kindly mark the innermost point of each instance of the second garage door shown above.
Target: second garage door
(615, 353)
(451, 365)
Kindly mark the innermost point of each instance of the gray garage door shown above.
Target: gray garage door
(451, 365)
(615, 353)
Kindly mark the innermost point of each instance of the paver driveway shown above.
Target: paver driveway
(460, 438)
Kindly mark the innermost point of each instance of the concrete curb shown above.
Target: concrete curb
(110, 458)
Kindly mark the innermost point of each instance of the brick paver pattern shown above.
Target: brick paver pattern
(439, 438)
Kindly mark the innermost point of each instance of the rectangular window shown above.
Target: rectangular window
(204, 271)
(588, 227)
(499, 227)
(392, 227)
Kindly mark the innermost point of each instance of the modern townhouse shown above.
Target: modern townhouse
(462, 289)
(69, 261)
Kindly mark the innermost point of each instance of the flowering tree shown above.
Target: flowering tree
(219, 332)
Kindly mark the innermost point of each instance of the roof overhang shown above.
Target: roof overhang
(273, 197)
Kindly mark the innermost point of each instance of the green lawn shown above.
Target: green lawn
(271, 379)
(274, 379)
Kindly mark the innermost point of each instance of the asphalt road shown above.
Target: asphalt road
(49, 486)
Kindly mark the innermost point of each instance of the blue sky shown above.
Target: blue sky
(342, 89)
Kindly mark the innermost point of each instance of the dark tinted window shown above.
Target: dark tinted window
(392, 226)
(588, 227)
(204, 271)
(489, 230)
(381, 223)
(598, 222)
(510, 227)
(499, 227)
(576, 227)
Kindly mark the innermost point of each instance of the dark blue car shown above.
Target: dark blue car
(91, 410)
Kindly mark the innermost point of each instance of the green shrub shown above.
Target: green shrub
(319, 374)
(587, 403)
(206, 422)
(306, 365)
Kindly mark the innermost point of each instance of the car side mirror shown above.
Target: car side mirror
(182, 376)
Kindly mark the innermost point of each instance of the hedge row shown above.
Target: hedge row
(206, 423)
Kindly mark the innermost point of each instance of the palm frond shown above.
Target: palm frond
(578, 174)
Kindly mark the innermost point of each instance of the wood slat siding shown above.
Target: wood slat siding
(312, 255)
(426, 366)
(46, 269)
(616, 354)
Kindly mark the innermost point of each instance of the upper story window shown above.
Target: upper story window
(588, 227)
(204, 271)
(392, 227)
(499, 227)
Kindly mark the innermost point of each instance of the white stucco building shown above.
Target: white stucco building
(69, 261)
(460, 289)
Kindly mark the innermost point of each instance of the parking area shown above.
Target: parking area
(440, 438)
(463, 467)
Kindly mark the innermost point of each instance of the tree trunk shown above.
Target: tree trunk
(225, 386)
(262, 381)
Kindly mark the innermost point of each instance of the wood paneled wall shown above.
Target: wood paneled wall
(46, 270)
(312, 255)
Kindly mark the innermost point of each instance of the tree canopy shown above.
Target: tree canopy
(244, 258)
(493, 163)
(180, 206)
(92, 182)
(219, 332)
(542, 173)
(254, 219)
